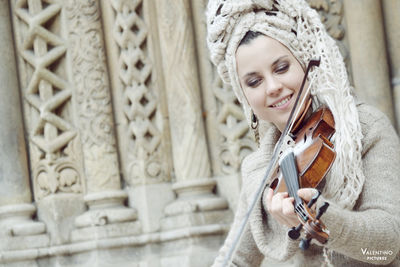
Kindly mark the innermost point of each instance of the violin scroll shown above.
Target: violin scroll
(313, 227)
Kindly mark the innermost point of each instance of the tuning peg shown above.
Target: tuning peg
(294, 233)
(314, 199)
(305, 243)
(322, 210)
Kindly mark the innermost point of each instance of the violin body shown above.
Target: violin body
(313, 151)
(312, 157)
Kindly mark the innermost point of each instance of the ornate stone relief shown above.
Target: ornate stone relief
(54, 152)
(92, 94)
(236, 139)
(331, 12)
(178, 50)
(142, 127)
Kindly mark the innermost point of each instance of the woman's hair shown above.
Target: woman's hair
(250, 35)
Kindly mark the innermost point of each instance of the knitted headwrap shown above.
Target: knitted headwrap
(297, 26)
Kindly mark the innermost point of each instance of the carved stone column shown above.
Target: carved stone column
(53, 147)
(391, 9)
(368, 53)
(140, 107)
(193, 186)
(229, 137)
(92, 98)
(17, 229)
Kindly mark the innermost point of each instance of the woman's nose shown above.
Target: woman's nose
(273, 86)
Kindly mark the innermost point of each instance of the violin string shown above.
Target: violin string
(301, 212)
(298, 108)
(289, 165)
(292, 185)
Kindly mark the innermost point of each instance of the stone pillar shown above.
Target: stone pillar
(17, 229)
(54, 158)
(193, 186)
(92, 98)
(228, 133)
(391, 11)
(368, 53)
(140, 106)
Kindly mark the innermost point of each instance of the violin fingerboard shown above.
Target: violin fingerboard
(290, 174)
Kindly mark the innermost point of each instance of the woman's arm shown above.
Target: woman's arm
(373, 227)
(247, 253)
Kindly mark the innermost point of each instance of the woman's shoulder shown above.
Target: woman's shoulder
(375, 125)
(369, 115)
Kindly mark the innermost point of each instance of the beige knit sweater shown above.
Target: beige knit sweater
(367, 235)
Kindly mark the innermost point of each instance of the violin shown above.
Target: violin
(304, 165)
(302, 157)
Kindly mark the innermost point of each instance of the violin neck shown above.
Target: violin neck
(291, 175)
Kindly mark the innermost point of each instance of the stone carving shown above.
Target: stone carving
(92, 95)
(331, 12)
(54, 176)
(236, 139)
(47, 96)
(189, 146)
(142, 131)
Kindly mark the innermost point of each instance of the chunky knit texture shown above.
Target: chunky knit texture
(299, 28)
(372, 225)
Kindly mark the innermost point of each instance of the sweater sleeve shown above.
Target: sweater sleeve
(247, 253)
(373, 227)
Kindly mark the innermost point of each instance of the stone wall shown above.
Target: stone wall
(120, 145)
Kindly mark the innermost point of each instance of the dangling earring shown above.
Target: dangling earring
(254, 126)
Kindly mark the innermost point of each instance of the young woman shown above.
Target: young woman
(261, 48)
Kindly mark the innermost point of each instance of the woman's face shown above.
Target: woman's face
(270, 77)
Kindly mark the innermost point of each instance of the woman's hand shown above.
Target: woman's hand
(281, 207)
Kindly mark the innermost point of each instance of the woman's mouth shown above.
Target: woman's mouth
(282, 103)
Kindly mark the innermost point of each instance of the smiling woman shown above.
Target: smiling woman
(270, 77)
(261, 48)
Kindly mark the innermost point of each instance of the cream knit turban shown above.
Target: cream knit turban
(299, 28)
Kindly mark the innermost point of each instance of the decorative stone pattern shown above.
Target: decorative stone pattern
(54, 148)
(18, 224)
(83, 62)
(236, 139)
(331, 12)
(189, 146)
(141, 125)
(92, 97)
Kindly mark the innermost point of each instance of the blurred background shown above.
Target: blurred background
(119, 143)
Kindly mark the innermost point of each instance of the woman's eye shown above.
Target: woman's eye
(282, 68)
(253, 82)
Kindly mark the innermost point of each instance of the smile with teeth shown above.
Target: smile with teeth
(282, 102)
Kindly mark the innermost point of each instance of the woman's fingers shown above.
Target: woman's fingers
(280, 206)
(287, 206)
(307, 193)
(269, 197)
(276, 203)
